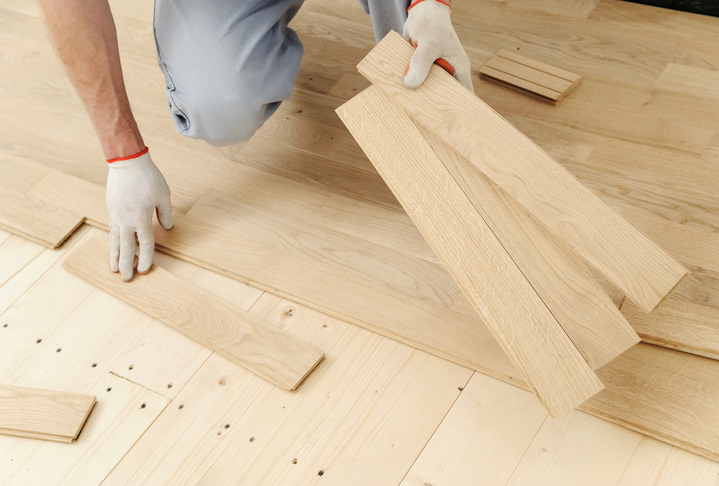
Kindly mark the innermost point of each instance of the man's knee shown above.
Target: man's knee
(224, 122)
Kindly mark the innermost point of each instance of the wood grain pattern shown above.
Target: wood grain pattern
(678, 324)
(665, 394)
(36, 220)
(358, 431)
(560, 278)
(511, 309)
(271, 354)
(535, 77)
(642, 270)
(43, 414)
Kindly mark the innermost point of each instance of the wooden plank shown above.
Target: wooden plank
(121, 417)
(482, 438)
(501, 295)
(87, 198)
(642, 270)
(48, 414)
(668, 395)
(678, 324)
(560, 278)
(689, 79)
(544, 80)
(577, 449)
(362, 421)
(36, 220)
(659, 464)
(279, 358)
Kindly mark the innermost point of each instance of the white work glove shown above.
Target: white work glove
(135, 189)
(430, 29)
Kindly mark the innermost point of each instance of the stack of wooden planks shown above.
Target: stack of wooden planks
(498, 211)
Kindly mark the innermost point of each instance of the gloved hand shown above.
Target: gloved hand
(135, 188)
(430, 29)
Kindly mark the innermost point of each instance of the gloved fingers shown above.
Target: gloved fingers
(146, 239)
(114, 248)
(419, 66)
(164, 212)
(127, 253)
(462, 70)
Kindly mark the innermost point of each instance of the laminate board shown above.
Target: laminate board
(54, 415)
(281, 359)
(560, 278)
(691, 245)
(678, 324)
(544, 80)
(414, 277)
(668, 395)
(690, 79)
(642, 270)
(470, 251)
(356, 420)
(36, 220)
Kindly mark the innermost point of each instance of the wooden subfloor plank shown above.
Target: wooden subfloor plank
(576, 449)
(542, 351)
(642, 270)
(36, 220)
(494, 423)
(277, 357)
(351, 419)
(16, 253)
(560, 278)
(43, 412)
(659, 464)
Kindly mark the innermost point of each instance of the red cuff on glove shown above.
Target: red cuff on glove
(420, 1)
(134, 156)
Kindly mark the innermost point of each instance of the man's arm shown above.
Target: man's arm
(84, 35)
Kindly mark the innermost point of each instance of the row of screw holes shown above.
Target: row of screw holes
(169, 385)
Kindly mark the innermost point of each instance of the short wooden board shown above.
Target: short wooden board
(43, 414)
(241, 337)
(544, 80)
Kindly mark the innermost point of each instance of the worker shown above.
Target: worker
(228, 64)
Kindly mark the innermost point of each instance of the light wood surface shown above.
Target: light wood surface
(550, 193)
(678, 324)
(519, 320)
(649, 152)
(588, 316)
(535, 77)
(36, 220)
(271, 354)
(43, 414)
(350, 420)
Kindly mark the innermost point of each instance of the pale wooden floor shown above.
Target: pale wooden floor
(376, 412)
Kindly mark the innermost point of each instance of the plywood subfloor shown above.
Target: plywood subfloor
(642, 131)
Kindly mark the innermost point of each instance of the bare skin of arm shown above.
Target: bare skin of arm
(84, 35)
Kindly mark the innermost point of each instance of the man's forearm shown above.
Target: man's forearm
(84, 35)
